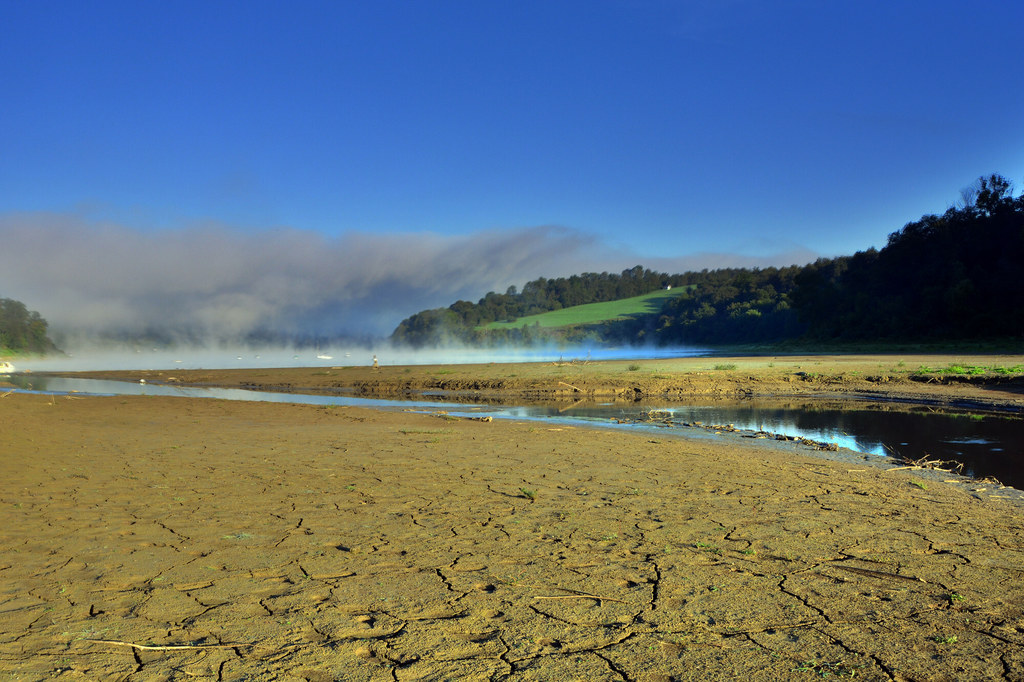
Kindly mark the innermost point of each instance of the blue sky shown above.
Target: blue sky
(642, 131)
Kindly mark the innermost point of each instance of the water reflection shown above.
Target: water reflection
(987, 444)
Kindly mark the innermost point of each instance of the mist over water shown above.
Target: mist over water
(244, 357)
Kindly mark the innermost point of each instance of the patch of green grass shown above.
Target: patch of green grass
(593, 313)
(964, 369)
(725, 366)
(957, 369)
(920, 485)
(633, 368)
(237, 536)
(529, 494)
(945, 639)
(708, 548)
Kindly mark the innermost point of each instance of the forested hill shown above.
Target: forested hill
(954, 276)
(22, 330)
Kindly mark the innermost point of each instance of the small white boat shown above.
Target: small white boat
(321, 356)
(6, 367)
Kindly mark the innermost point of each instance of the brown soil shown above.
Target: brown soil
(171, 538)
(879, 377)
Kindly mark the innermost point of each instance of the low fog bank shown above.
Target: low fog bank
(225, 357)
(213, 283)
(220, 283)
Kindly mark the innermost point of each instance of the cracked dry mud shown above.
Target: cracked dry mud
(172, 539)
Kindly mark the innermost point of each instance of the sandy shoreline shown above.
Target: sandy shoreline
(262, 541)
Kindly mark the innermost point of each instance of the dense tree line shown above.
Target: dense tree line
(21, 329)
(943, 277)
(949, 277)
(733, 306)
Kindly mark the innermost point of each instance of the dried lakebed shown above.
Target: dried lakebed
(167, 538)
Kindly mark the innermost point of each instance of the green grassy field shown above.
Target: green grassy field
(593, 313)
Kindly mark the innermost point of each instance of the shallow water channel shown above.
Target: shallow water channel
(987, 444)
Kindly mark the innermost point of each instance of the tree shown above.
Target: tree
(995, 193)
(21, 329)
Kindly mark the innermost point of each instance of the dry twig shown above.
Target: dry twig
(167, 647)
(581, 596)
(878, 574)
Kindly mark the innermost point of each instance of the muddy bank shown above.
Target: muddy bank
(908, 378)
(171, 538)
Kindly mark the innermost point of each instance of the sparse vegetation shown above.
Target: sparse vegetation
(970, 370)
(237, 536)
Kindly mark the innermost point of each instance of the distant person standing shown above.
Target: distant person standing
(375, 365)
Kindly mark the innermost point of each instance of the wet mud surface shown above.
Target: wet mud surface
(181, 539)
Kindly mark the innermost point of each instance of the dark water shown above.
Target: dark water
(987, 444)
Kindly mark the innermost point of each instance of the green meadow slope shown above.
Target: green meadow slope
(594, 313)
